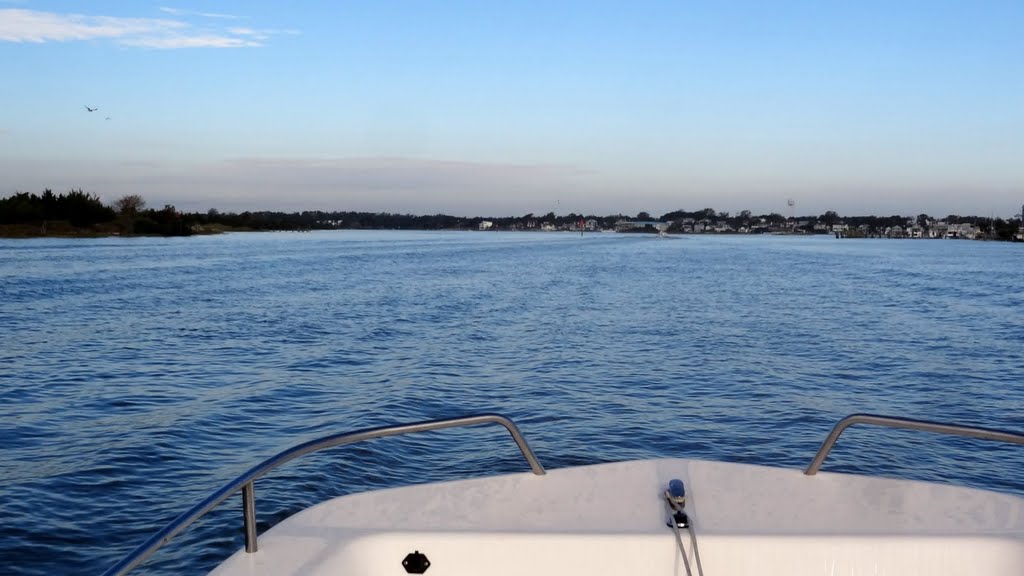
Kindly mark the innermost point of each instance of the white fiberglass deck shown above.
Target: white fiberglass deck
(611, 519)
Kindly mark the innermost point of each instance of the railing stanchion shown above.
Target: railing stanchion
(249, 516)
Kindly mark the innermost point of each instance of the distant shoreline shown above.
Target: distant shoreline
(77, 214)
(66, 231)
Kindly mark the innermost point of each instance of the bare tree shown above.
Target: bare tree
(130, 204)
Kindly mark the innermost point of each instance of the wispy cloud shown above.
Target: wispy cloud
(17, 25)
(20, 25)
(383, 184)
(262, 33)
(185, 41)
(181, 12)
(397, 172)
(258, 35)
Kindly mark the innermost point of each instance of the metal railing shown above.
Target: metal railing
(246, 480)
(909, 424)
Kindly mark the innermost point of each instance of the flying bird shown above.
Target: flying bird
(92, 109)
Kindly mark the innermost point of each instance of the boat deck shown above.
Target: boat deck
(611, 519)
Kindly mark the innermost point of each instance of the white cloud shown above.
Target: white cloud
(20, 25)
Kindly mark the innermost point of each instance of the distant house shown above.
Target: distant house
(895, 232)
(966, 231)
(486, 225)
(627, 225)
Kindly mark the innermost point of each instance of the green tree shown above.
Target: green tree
(83, 209)
(129, 205)
(1005, 229)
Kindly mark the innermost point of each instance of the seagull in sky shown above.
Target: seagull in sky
(92, 109)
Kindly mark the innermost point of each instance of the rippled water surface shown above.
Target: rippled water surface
(138, 375)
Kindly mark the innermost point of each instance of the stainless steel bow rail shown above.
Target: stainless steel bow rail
(909, 424)
(246, 480)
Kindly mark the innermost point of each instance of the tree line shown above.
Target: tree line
(79, 208)
(83, 210)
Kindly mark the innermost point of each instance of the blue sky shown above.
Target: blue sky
(502, 108)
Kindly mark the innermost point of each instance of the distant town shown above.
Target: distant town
(708, 221)
(81, 214)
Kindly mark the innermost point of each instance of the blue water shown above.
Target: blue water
(138, 375)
